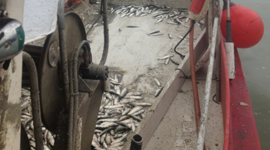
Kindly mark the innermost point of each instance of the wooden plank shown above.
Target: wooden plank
(152, 120)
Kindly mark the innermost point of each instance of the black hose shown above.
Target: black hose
(106, 32)
(75, 93)
(63, 50)
(35, 99)
(183, 56)
(71, 110)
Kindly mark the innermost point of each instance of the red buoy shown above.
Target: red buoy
(247, 26)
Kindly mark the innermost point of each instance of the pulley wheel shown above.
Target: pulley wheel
(50, 76)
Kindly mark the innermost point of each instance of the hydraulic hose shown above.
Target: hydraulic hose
(193, 76)
(106, 32)
(35, 99)
(63, 50)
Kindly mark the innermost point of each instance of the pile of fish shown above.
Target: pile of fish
(120, 113)
(173, 16)
(27, 122)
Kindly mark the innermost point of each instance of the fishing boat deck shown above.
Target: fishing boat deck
(134, 54)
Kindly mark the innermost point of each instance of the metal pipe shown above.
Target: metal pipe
(136, 143)
(71, 109)
(106, 32)
(207, 91)
(63, 50)
(193, 75)
(35, 99)
(228, 9)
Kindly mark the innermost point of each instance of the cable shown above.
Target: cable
(103, 8)
(183, 56)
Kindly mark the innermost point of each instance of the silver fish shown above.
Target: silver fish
(156, 81)
(108, 96)
(104, 144)
(134, 94)
(123, 15)
(108, 139)
(106, 125)
(158, 91)
(102, 138)
(116, 145)
(126, 111)
(113, 106)
(117, 89)
(133, 127)
(135, 118)
(105, 131)
(120, 139)
(108, 120)
(135, 109)
(160, 20)
(143, 14)
(120, 128)
(131, 14)
(167, 61)
(116, 101)
(144, 104)
(123, 92)
(112, 132)
(96, 144)
(157, 34)
(124, 117)
(170, 36)
(134, 97)
(50, 138)
(165, 57)
(138, 112)
(125, 101)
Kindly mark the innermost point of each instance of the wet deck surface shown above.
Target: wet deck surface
(135, 55)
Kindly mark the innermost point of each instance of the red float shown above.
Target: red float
(247, 26)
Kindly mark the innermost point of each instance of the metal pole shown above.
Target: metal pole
(228, 9)
(207, 91)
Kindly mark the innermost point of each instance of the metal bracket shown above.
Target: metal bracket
(87, 86)
(230, 59)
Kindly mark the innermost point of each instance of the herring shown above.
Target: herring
(158, 91)
(156, 81)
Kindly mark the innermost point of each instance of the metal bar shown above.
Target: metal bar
(171, 89)
(228, 9)
(201, 134)
(35, 99)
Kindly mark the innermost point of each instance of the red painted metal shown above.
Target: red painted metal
(243, 135)
(197, 6)
(225, 95)
(70, 2)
